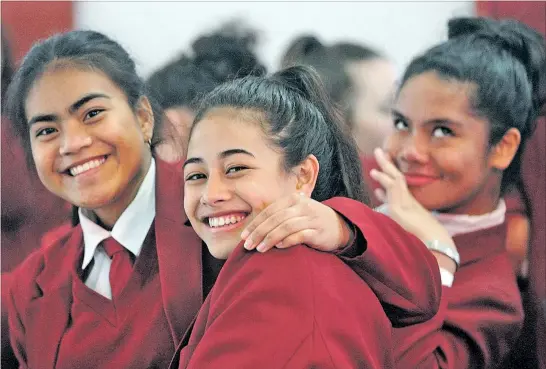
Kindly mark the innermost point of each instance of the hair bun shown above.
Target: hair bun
(301, 49)
(520, 40)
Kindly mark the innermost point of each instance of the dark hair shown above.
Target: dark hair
(216, 58)
(308, 50)
(355, 53)
(331, 64)
(81, 49)
(7, 64)
(506, 61)
(298, 118)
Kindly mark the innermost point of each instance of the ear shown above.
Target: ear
(504, 151)
(306, 175)
(145, 117)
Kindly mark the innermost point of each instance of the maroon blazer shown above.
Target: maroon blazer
(39, 298)
(295, 308)
(28, 208)
(395, 265)
(480, 316)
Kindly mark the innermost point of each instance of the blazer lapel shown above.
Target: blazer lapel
(47, 316)
(178, 251)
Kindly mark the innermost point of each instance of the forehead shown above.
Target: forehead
(60, 86)
(227, 128)
(428, 96)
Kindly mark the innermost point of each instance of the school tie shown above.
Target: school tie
(121, 267)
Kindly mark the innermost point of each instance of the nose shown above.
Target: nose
(74, 138)
(216, 191)
(414, 149)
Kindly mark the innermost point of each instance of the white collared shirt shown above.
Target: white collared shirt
(130, 230)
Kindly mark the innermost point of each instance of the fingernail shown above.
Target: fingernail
(261, 247)
(248, 244)
(244, 235)
(279, 245)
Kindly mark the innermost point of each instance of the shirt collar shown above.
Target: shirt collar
(461, 223)
(132, 226)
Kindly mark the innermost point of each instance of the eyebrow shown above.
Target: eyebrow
(222, 155)
(74, 107)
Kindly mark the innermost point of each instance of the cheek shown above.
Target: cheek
(255, 193)
(392, 145)
(460, 164)
(191, 200)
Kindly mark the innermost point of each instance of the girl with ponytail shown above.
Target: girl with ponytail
(254, 141)
(462, 115)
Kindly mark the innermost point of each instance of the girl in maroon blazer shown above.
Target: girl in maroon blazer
(462, 115)
(121, 287)
(254, 141)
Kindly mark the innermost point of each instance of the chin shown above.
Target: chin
(219, 251)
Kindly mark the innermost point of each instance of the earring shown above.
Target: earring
(298, 186)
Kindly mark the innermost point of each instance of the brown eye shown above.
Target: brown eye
(93, 113)
(45, 131)
(195, 176)
(235, 169)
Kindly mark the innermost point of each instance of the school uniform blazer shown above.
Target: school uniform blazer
(480, 316)
(39, 297)
(395, 264)
(294, 308)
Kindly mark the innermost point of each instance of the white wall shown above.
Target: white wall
(155, 32)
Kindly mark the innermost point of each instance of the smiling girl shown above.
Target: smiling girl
(254, 141)
(120, 288)
(463, 112)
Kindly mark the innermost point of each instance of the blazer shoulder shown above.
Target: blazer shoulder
(53, 250)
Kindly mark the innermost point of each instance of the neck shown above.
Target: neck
(108, 215)
(483, 201)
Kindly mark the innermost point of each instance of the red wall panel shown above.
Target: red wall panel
(28, 21)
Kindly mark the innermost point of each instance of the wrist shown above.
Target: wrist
(347, 233)
(447, 249)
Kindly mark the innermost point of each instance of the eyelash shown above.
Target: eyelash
(238, 167)
(397, 121)
(446, 132)
(42, 132)
(197, 176)
(97, 111)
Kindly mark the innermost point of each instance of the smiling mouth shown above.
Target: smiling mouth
(224, 220)
(85, 167)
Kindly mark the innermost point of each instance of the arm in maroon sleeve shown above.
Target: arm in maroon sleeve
(397, 266)
(478, 321)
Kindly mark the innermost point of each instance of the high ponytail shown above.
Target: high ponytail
(300, 120)
(307, 83)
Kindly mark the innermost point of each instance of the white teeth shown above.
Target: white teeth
(79, 169)
(225, 220)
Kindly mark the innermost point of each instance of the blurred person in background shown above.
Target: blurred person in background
(360, 81)
(215, 58)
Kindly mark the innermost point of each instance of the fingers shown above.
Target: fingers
(386, 164)
(384, 179)
(280, 236)
(297, 238)
(380, 194)
(279, 205)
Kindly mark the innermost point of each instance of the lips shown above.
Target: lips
(417, 180)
